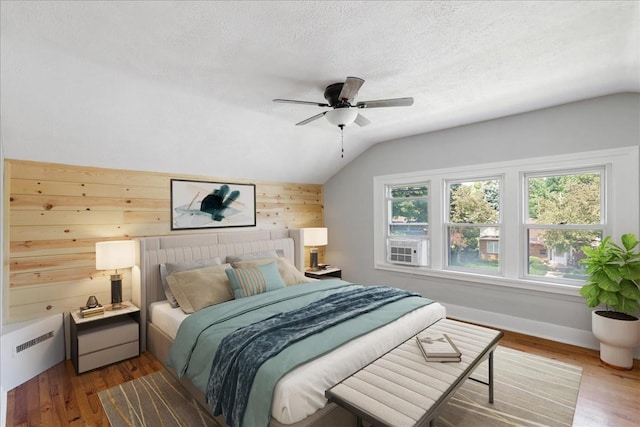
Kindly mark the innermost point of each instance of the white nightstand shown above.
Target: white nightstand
(326, 273)
(100, 340)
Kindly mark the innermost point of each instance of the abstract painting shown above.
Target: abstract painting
(204, 204)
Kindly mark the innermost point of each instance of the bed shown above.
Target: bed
(298, 397)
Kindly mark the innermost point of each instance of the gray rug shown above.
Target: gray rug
(153, 400)
(529, 391)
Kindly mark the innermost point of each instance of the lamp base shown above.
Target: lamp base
(116, 291)
(313, 258)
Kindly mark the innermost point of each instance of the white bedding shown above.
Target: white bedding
(300, 393)
(166, 318)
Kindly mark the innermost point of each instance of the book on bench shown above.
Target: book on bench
(438, 347)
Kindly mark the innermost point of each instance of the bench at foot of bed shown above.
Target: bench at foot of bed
(402, 389)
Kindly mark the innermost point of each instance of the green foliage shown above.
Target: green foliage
(614, 274)
(536, 266)
(411, 203)
(565, 199)
(414, 210)
(472, 203)
(475, 203)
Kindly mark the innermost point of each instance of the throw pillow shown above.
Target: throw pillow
(169, 268)
(200, 288)
(290, 274)
(254, 280)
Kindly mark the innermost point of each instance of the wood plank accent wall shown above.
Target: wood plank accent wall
(56, 214)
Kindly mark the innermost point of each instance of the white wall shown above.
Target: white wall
(600, 123)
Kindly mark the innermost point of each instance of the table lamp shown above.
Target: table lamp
(314, 237)
(114, 255)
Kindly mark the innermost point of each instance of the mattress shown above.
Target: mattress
(166, 318)
(300, 392)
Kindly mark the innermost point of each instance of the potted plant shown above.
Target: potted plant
(614, 281)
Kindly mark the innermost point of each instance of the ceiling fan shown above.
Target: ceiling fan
(339, 97)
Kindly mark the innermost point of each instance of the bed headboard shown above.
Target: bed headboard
(152, 251)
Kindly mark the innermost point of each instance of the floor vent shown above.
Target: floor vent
(34, 341)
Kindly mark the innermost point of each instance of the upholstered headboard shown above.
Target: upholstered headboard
(153, 251)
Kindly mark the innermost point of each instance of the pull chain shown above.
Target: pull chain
(342, 141)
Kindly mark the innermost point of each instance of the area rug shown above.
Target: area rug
(153, 400)
(529, 391)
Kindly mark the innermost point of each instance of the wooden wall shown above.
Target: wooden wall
(56, 213)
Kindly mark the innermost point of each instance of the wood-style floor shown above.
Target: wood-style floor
(57, 397)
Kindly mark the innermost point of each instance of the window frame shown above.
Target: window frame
(604, 171)
(622, 210)
(447, 224)
(389, 214)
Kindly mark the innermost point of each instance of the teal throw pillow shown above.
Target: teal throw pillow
(254, 280)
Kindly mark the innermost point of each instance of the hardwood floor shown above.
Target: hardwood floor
(58, 397)
(607, 398)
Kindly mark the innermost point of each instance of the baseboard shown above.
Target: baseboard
(563, 334)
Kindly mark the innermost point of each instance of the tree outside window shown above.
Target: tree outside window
(564, 214)
(409, 211)
(474, 224)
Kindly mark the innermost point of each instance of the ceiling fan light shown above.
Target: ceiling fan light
(342, 116)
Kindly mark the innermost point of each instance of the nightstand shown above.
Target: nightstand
(327, 273)
(107, 338)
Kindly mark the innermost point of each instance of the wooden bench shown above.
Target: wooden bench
(402, 389)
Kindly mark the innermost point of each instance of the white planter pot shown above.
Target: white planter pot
(617, 339)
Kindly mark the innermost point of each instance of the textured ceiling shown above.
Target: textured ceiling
(186, 87)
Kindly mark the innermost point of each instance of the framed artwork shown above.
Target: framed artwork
(205, 204)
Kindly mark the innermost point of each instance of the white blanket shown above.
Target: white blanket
(300, 393)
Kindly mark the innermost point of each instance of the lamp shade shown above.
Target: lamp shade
(316, 236)
(115, 254)
(342, 116)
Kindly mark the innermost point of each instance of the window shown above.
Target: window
(518, 223)
(493, 247)
(408, 223)
(473, 222)
(408, 210)
(564, 212)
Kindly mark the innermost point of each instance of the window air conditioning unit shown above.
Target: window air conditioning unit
(407, 252)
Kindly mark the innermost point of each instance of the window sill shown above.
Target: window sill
(556, 289)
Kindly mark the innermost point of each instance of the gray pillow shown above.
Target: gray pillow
(169, 268)
(256, 255)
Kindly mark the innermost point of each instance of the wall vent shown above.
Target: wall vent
(30, 348)
(35, 341)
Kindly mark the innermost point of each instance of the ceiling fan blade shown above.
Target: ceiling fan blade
(350, 88)
(395, 102)
(362, 120)
(310, 119)
(293, 101)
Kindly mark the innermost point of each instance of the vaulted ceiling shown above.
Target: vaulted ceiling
(187, 87)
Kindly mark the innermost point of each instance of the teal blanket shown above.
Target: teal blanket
(201, 333)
